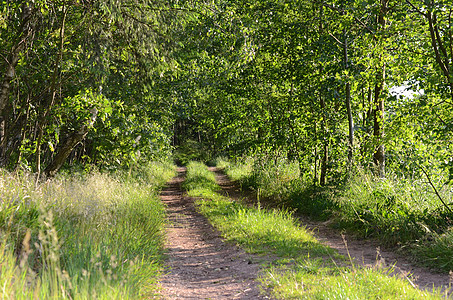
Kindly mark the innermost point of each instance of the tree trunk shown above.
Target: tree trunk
(350, 123)
(315, 171)
(325, 157)
(348, 103)
(378, 113)
(53, 92)
(26, 31)
(440, 52)
(67, 145)
(378, 131)
(442, 56)
(325, 146)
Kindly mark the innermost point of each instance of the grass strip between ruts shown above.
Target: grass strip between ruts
(400, 212)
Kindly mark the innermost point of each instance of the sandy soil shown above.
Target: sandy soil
(202, 266)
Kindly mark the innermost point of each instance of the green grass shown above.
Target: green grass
(261, 231)
(310, 279)
(280, 183)
(200, 181)
(95, 236)
(236, 171)
(436, 250)
(297, 266)
(400, 212)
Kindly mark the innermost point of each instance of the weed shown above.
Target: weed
(436, 250)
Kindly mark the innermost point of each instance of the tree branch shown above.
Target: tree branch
(342, 11)
(335, 38)
(415, 8)
(435, 190)
(434, 44)
(441, 44)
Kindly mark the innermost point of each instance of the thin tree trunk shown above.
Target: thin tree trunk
(325, 158)
(378, 128)
(439, 50)
(350, 123)
(315, 171)
(325, 147)
(293, 132)
(367, 103)
(53, 91)
(348, 103)
(23, 134)
(378, 131)
(442, 56)
(25, 33)
(370, 110)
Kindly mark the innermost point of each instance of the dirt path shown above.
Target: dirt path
(363, 252)
(200, 264)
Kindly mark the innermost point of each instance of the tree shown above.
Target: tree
(58, 50)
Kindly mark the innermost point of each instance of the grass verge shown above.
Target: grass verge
(298, 266)
(95, 236)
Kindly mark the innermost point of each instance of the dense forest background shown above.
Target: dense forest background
(331, 84)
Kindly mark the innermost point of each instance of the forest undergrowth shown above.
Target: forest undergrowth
(297, 265)
(85, 236)
(402, 213)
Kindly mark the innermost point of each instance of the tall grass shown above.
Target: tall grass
(399, 211)
(238, 170)
(280, 182)
(271, 177)
(312, 279)
(95, 236)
